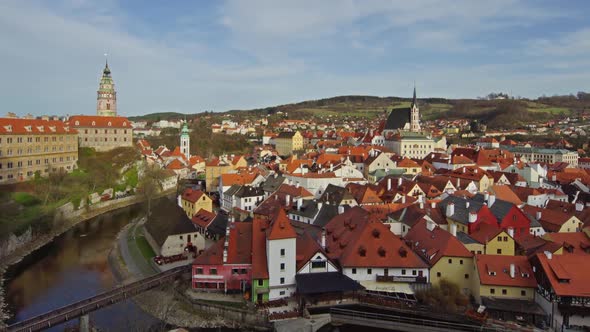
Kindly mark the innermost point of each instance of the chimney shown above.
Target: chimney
(299, 203)
(458, 184)
(421, 205)
(323, 240)
(511, 232)
(288, 200)
(430, 225)
(467, 204)
(512, 270)
(331, 167)
(433, 204)
(450, 209)
(486, 196)
(320, 204)
(297, 184)
(454, 230)
(538, 216)
(179, 200)
(472, 217)
(404, 199)
(491, 200)
(399, 181)
(340, 209)
(548, 254)
(579, 206)
(389, 184)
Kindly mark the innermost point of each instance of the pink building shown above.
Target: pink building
(227, 265)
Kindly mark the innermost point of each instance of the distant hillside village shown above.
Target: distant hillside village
(319, 212)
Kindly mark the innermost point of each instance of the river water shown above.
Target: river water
(73, 267)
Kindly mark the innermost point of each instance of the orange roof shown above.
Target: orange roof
(10, 126)
(565, 273)
(175, 164)
(230, 179)
(281, 227)
(192, 195)
(99, 121)
(574, 242)
(506, 194)
(408, 163)
(495, 270)
(485, 233)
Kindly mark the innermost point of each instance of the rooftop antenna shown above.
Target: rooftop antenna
(106, 60)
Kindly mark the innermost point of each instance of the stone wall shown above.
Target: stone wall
(13, 242)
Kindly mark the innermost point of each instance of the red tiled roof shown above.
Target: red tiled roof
(259, 264)
(239, 250)
(33, 127)
(99, 121)
(565, 273)
(229, 179)
(203, 218)
(281, 228)
(573, 243)
(435, 244)
(175, 164)
(495, 270)
(485, 233)
(192, 195)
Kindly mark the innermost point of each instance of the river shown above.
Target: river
(75, 266)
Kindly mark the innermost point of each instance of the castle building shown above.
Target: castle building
(29, 146)
(104, 131)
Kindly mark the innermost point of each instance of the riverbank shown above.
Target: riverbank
(66, 223)
(172, 304)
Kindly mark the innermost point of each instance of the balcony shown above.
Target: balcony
(418, 280)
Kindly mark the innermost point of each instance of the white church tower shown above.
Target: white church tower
(281, 257)
(414, 114)
(185, 141)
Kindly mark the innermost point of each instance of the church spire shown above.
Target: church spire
(414, 98)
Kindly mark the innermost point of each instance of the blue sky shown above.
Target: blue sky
(192, 56)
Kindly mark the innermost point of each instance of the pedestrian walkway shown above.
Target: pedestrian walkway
(136, 263)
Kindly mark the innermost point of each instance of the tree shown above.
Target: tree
(150, 184)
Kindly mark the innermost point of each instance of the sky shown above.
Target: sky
(195, 56)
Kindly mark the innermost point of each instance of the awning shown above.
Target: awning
(389, 287)
(512, 305)
(325, 282)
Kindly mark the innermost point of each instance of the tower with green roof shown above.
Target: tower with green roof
(106, 99)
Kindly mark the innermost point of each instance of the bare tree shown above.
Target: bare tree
(150, 184)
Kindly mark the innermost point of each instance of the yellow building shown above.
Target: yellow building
(192, 201)
(217, 166)
(29, 146)
(288, 142)
(495, 241)
(503, 277)
(447, 256)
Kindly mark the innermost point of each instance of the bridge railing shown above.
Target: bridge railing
(84, 306)
(359, 315)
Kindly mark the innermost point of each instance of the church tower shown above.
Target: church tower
(106, 99)
(185, 141)
(414, 114)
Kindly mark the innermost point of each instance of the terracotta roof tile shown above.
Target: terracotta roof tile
(91, 121)
(494, 270)
(12, 126)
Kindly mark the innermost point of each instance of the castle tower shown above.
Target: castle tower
(185, 141)
(414, 114)
(106, 96)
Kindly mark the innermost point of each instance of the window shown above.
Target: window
(282, 292)
(466, 275)
(499, 239)
(282, 281)
(213, 271)
(318, 265)
(282, 266)
(403, 272)
(450, 261)
(479, 252)
(282, 252)
(504, 292)
(492, 291)
(354, 271)
(461, 261)
(369, 271)
(438, 274)
(523, 292)
(260, 282)
(199, 270)
(505, 238)
(499, 251)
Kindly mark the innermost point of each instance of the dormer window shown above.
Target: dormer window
(93, 123)
(8, 128)
(492, 273)
(124, 124)
(28, 128)
(52, 128)
(77, 123)
(109, 124)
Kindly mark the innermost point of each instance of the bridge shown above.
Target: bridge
(83, 307)
(401, 323)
